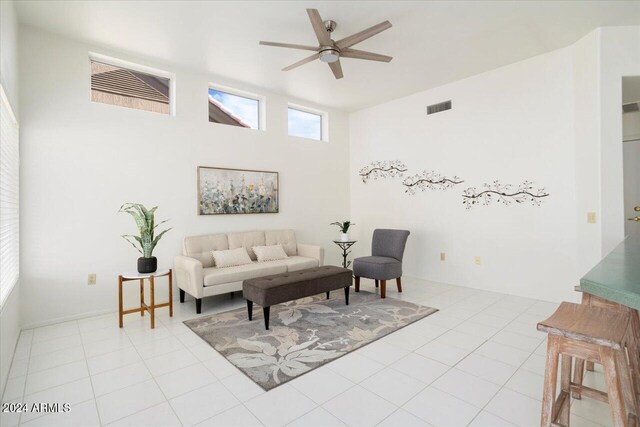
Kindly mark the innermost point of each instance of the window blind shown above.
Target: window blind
(9, 199)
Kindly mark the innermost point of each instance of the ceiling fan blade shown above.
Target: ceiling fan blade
(302, 62)
(361, 54)
(337, 69)
(289, 45)
(318, 27)
(363, 35)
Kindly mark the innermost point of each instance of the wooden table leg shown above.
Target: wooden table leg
(141, 297)
(152, 307)
(120, 309)
(614, 386)
(633, 349)
(565, 386)
(550, 380)
(383, 288)
(170, 294)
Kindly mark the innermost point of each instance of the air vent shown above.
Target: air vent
(631, 107)
(436, 108)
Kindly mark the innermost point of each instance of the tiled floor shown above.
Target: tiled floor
(477, 362)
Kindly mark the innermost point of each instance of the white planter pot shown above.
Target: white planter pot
(344, 237)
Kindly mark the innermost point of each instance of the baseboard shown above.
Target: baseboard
(80, 316)
(65, 319)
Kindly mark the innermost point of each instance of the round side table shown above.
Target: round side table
(127, 277)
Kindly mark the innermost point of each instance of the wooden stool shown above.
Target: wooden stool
(632, 343)
(592, 334)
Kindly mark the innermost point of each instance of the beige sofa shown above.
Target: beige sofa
(197, 275)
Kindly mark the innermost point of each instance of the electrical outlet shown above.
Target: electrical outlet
(591, 217)
(442, 256)
(91, 279)
(477, 260)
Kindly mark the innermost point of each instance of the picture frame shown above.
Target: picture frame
(226, 191)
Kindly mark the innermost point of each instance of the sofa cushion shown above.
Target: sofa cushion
(246, 240)
(217, 276)
(286, 238)
(200, 247)
(377, 267)
(231, 257)
(295, 263)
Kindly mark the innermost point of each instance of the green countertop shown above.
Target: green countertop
(617, 276)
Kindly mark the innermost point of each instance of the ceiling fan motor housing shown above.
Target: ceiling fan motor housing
(329, 54)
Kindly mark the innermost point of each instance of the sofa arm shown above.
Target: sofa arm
(188, 273)
(312, 251)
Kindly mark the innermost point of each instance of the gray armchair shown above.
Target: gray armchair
(385, 262)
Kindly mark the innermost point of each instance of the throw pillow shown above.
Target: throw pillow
(269, 253)
(231, 257)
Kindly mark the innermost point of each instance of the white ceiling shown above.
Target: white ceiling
(432, 43)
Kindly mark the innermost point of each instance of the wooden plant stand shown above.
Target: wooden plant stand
(127, 277)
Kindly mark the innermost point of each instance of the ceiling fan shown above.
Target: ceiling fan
(330, 51)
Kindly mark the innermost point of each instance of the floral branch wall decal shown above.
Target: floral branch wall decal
(429, 181)
(504, 193)
(383, 169)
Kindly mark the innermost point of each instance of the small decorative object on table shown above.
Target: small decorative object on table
(146, 242)
(344, 229)
(345, 250)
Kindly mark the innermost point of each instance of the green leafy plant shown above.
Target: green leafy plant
(344, 226)
(145, 242)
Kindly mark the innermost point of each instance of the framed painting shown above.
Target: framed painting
(236, 191)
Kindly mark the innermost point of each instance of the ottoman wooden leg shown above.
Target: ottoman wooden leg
(346, 295)
(266, 311)
(383, 288)
(250, 309)
(399, 284)
(377, 283)
(357, 280)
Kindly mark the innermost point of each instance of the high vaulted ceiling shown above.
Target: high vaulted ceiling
(432, 43)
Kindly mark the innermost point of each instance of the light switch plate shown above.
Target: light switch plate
(591, 217)
(91, 279)
(477, 260)
(442, 256)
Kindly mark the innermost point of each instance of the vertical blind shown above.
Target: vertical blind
(9, 199)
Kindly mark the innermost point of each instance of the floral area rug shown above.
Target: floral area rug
(304, 334)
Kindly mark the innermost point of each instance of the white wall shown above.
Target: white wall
(586, 125)
(554, 119)
(513, 124)
(82, 160)
(10, 310)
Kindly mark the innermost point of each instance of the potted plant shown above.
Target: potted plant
(344, 229)
(145, 242)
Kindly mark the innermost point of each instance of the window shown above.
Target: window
(9, 199)
(130, 86)
(306, 123)
(235, 109)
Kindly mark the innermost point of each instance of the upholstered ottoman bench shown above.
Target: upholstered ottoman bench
(278, 288)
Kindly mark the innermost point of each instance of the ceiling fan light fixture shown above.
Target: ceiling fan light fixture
(329, 56)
